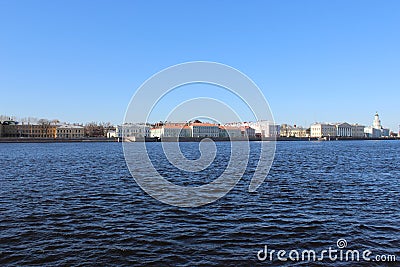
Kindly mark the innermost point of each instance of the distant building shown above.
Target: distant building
(248, 131)
(230, 131)
(344, 129)
(132, 130)
(44, 130)
(358, 130)
(293, 131)
(170, 130)
(376, 130)
(262, 128)
(204, 130)
(67, 131)
(111, 133)
(385, 132)
(371, 132)
(14, 129)
(265, 128)
(323, 130)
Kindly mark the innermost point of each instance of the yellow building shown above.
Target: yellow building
(11, 129)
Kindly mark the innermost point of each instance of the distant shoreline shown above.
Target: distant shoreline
(187, 139)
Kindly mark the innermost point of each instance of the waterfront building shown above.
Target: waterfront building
(157, 131)
(287, 130)
(14, 129)
(376, 130)
(1, 129)
(300, 132)
(248, 131)
(319, 130)
(358, 130)
(371, 132)
(67, 131)
(344, 130)
(230, 131)
(42, 130)
(170, 130)
(265, 128)
(385, 132)
(111, 134)
(136, 130)
(204, 129)
(262, 128)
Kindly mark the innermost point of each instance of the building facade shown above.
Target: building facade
(371, 132)
(376, 130)
(170, 130)
(14, 129)
(204, 130)
(132, 130)
(344, 130)
(358, 130)
(265, 128)
(230, 131)
(293, 131)
(247, 131)
(111, 134)
(67, 131)
(319, 130)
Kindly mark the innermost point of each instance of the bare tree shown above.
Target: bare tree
(93, 129)
(45, 125)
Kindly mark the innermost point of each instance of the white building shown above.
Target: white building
(261, 128)
(371, 132)
(204, 130)
(376, 130)
(344, 130)
(323, 130)
(337, 130)
(170, 130)
(111, 134)
(265, 128)
(129, 130)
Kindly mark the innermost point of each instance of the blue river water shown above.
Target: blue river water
(75, 204)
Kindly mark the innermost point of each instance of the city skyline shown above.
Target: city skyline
(314, 61)
(33, 120)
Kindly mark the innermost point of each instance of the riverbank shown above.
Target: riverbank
(172, 139)
(53, 140)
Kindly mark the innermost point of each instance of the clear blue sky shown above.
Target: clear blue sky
(81, 61)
